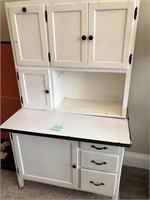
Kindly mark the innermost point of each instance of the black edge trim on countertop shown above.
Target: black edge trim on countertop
(5, 42)
(68, 138)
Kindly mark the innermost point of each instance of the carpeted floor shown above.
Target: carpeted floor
(38, 191)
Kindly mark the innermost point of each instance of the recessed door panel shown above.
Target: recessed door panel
(35, 87)
(66, 25)
(29, 35)
(110, 25)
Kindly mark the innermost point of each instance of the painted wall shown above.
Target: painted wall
(139, 92)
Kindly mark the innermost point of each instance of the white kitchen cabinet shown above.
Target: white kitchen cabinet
(53, 161)
(35, 87)
(73, 61)
(94, 35)
(28, 32)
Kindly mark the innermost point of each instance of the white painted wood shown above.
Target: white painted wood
(91, 107)
(50, 162)
(66, 25)
(19, 178)
(29, 37)
(75, 126)
(99, 161)
(101, 148)
(121, 156)
(88, 93)
(110, 48)
(34, 83)
(108, 179)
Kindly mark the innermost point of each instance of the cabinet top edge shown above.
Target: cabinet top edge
(39, 2)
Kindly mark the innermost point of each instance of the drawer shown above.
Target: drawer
(99, 161)
(100, 148)
(98, 182)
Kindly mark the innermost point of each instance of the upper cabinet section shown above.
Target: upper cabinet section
(65, 34)
(92, 35)
(29, 34)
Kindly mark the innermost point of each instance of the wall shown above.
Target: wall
(139, 89)
(139, 92)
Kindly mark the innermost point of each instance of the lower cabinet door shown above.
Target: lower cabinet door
(47, 160)
(98, 182)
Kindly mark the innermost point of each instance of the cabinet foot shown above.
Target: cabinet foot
(20, 182)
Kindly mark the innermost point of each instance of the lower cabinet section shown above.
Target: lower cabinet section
(47, 160)
(98, 182)
(67, 163)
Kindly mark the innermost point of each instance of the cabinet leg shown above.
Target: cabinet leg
(116, 197)
(20, 182)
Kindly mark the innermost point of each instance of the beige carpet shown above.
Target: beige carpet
(38, 191)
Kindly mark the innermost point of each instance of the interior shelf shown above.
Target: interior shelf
(91, 107)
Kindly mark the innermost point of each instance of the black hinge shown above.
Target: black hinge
(21, 100)
(49, 56)
(45, 15)
(11, 136)
(17, 75)
(130, 59)
(17, 170)
(135, 13)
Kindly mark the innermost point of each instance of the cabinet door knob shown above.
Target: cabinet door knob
(90, 37)
(46, 91)
(24, 9)
(74, 166)
(83, 37)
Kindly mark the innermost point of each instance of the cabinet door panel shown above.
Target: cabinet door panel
(66, 25)
(35, 88)
(29, 35)
(46, 160)
(110, 24)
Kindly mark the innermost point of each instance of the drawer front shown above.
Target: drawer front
(98, 182)
(99, 161)
(100, 148)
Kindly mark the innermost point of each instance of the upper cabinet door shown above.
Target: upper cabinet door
(110, 28)
(35, 88)
(67, 26)
(29, 35)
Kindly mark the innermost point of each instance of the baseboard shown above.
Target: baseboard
(136, 160)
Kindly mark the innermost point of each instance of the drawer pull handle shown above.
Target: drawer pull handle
(103, 163)
(101, 148)
(100, 184)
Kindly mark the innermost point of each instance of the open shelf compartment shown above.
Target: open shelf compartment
(93, 93)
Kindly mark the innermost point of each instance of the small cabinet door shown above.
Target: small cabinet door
(110, 27)
(29, 35)
(47, 160)
(67, 26)
(35, 88)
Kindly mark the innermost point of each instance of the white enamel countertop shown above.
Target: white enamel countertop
(70, 126)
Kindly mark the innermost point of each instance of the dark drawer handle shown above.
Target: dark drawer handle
(103, 163)
(101, 148)
(100, 184)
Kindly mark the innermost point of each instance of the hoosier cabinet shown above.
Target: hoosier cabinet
(73, 62)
